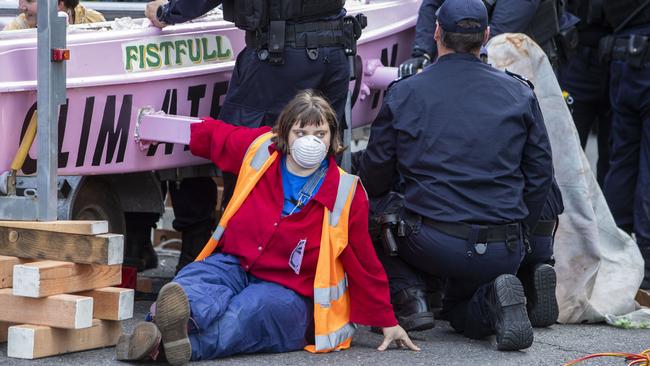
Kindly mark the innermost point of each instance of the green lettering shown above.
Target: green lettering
(208, 56)
(141, 48)
(131, 55)
(153, 57)
(181, 45)
(165, 46)
(194, 50)
(221, 54)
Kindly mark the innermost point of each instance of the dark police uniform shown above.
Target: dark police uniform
(546, 21)
(507, 16)
(470, 144)
(267, 75)
(586, 78)
(627, 184)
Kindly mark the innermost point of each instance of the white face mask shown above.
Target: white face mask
(308, 151)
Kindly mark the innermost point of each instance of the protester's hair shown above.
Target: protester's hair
(309, 108)
(70, 4)
(463, 42)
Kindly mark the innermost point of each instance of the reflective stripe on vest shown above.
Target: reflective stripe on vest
(324, 342)
(324, 296)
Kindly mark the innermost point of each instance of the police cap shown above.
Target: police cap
(453, 11)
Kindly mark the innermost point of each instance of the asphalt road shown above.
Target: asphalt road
(440, 346)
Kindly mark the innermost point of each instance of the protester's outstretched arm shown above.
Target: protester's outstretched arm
(223, 143)
(399, 335)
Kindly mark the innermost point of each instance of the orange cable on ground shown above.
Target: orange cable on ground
(636, 359)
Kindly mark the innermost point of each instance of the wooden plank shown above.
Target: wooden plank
(70, 227)
(46, 278)
(61, 311)
(37, 341)
(111, 303)
(76, 248)
(643, 297)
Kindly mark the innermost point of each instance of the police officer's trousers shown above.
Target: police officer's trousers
(233, 312)
(587, 81)
(627, 185)
(468, 273)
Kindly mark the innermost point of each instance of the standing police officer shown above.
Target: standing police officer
(507, 16)
(586, 78)
(291, 45)
(545, 21)
(470, 145)
(627, 184)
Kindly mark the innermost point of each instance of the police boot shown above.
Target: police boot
(138, 249)
(412, 309)
(506, 305)
(539, 283)
(143, 344)
(172, 315)
(645, 252)
(194, 239)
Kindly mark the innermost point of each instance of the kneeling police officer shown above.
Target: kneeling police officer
(470, 144)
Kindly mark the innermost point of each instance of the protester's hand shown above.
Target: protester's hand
(399, 335)
(151, 12)
(413, 65)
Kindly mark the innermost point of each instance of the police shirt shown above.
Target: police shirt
(469, 141)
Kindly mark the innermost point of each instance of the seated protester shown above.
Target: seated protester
(77, 14)
(296, 267)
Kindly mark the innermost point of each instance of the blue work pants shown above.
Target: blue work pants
(233, 312)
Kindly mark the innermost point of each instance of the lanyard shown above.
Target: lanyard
(307, 190)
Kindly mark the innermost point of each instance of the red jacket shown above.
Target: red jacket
(263, 240)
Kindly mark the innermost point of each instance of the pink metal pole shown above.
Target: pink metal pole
(377, 76)
(155, 127)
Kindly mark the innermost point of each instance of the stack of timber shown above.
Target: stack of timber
(55, 287)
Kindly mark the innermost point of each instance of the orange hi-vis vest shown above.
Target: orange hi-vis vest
(333, 330)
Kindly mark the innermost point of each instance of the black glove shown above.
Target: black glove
(413, 65)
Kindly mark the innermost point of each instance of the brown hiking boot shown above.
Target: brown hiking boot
(172, 315)
(140, 345)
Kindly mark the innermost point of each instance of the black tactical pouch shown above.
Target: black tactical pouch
(352, 28)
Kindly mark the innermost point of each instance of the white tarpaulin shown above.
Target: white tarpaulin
(599, 267)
